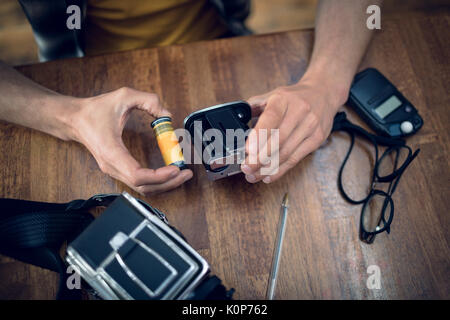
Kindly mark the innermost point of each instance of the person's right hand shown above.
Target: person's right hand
(98, 124)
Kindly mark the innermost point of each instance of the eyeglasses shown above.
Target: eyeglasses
(378, 207)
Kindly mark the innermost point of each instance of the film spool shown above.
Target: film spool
(168, 142)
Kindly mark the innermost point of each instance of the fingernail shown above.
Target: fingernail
(174, 174)
(246, 169)
(250, 178)
(188, 176)
(266, 179)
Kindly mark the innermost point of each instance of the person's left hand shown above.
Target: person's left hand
(303, 113)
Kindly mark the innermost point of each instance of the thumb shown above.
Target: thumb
(121, 165)
(258, 103)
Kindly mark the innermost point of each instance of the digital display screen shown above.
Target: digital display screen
(387, 107)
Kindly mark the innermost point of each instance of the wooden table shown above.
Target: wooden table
(233, 223)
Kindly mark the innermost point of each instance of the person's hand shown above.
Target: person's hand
(303, 113)
(98, 124)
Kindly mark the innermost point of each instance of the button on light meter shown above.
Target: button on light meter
(406, 127)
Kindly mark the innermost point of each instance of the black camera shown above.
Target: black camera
(219, 134)
(131, 252)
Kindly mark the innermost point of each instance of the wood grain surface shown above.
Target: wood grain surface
(233, 223)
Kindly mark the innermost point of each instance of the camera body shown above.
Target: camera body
(129, 252)
(219, 134)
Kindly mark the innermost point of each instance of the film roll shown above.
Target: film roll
(168, 142)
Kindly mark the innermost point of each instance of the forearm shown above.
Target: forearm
(303, 113)
(96, 122)
(341, 39)
(26, 103)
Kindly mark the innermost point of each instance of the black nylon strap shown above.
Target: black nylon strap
(33, 232)
(341, 123)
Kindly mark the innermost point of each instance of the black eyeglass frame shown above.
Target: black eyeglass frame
(392, 178)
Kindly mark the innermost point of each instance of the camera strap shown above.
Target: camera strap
(34, 232)
(341, 123)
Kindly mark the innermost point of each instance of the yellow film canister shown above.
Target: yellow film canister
(168, 142)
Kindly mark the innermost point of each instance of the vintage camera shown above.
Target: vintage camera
(219, 134)
(131, 252)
